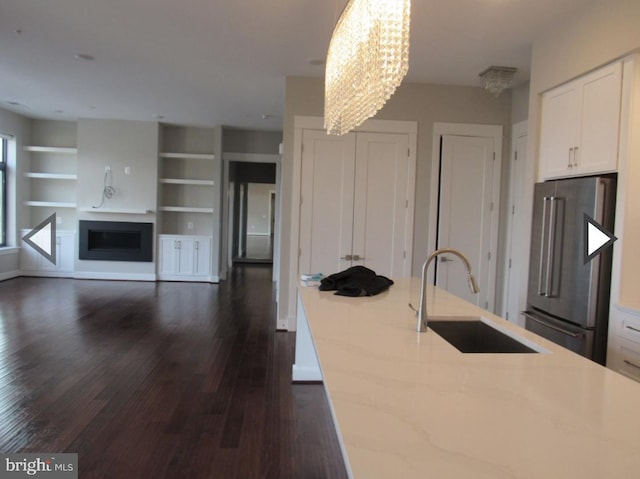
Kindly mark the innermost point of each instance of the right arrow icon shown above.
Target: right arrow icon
(596, 238)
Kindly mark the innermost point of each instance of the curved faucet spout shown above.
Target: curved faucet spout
(473, 286)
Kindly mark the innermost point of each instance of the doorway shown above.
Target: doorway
(252, 200)
(465, 199)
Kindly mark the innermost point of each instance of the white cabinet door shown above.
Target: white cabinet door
(559, 130)
(184, 256)
(580, 124)
(202, 257)
(167, 255)
(357, 191)
(34, 262)
(601, 93)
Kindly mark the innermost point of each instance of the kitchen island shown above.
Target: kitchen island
(408, 404)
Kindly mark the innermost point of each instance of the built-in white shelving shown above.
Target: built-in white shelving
(51, 204)
(185, 209)
(52, 149)
(187, 156)
(186, 181)
(51, 176)
(123, 211)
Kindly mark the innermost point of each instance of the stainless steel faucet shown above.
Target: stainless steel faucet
(422, 311)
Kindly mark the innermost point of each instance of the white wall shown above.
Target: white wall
(426, 104)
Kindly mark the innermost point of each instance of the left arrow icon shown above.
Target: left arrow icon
(42, 238)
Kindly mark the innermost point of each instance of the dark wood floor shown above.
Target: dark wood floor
(159, 380)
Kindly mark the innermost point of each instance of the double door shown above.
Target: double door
(356, 203)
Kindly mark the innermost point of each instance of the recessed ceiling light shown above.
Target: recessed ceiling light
(14, 103)
(83, 56)
(159, 117)
(266, 116)
(17, 31)
(58, 111)
(316, 62)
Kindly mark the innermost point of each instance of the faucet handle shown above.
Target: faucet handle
(413, 309)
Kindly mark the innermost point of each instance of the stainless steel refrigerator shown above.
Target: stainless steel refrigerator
(568, 300)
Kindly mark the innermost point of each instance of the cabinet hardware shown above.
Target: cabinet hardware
(633, 329)
(569, 165)
(347, 257)
(555, 328)
(575, 156)
(356, 257)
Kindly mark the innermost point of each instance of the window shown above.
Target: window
(3, 190)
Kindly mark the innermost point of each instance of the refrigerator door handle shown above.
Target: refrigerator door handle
(542, 292)
(548, 287)
(552, 326)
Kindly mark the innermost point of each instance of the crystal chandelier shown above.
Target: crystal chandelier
(368, 58)
(497, 79)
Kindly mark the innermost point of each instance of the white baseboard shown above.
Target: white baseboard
(190, 279)
(305, 374)
(9, 275)
(47, 274)
(115, 276)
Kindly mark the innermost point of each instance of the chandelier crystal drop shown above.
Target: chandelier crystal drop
(368, 58)
(496, 79)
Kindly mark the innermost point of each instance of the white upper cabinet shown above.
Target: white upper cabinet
(580, 124)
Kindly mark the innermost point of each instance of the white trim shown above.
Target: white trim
(7, 250)
(188, 156)
(119, 211)
(114, 276)
(514, 234)
(188, 278)
(475, 130)
(52, 149)
(301, 123)
(47, 273)
(9, 275)
(305, 374)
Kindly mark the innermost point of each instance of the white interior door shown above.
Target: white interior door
(381, 225)
(326, 210)
(467, 216)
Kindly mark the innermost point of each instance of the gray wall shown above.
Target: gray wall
(426, 104)
(118, 144)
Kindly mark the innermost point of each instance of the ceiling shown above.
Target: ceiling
(210, 62)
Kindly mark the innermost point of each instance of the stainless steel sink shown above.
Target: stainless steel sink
(477, 336)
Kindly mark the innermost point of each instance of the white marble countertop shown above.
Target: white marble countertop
(409, 404)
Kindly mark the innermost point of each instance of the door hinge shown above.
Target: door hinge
(515, 156)
(491, 206)
(506, 315)
(302, 148)
(299, 252)
(509, 263)
(486, 305)
(406, 203)
(513, 209)
(408, 152)
(494, 156)
(404, 255)
(489, 256)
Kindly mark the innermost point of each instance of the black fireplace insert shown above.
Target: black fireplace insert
(116, 241)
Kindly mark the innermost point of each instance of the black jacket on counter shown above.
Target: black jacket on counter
(355, 281)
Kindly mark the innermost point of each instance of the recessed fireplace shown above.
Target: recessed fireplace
(116, 241)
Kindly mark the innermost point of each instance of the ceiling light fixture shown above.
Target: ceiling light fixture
(496, 79)
(368, 58)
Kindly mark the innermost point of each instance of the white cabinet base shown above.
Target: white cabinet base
(185, 258)
(33, 263)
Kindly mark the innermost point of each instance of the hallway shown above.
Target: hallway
(161, 380)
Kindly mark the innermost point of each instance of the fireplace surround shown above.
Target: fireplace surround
(115, 241)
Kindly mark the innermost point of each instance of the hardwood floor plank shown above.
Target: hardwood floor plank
(162, 380)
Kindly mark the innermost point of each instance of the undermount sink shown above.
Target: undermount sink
(475, 335)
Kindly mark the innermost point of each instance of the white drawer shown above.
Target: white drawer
(629, 328)
(624, 357)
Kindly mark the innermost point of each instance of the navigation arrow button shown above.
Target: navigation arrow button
(42, 238)
(596, 238)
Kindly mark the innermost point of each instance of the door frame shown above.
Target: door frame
(301, 123)
(515, 233)
(476, 130)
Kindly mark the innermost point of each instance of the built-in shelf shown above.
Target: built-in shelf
(185, 209)
(123, 211)
(51, 176)
(189, 156)
(51, 204)
(52, 149)
(185, 181)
